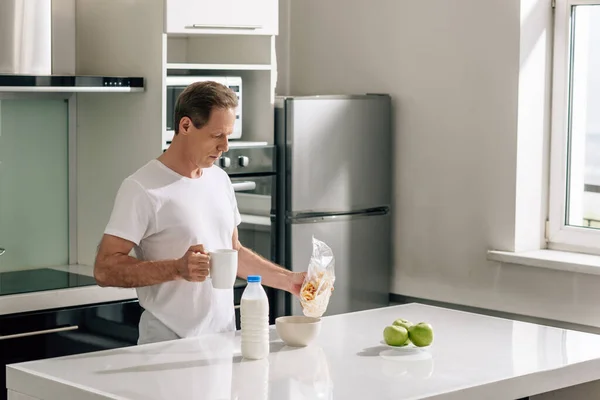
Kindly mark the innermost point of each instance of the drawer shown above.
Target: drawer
(56, 333)
(93, 318)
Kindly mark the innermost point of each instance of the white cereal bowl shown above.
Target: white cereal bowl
(298, 331)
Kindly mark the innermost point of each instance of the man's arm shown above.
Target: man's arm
(250, 263)
(115, 267)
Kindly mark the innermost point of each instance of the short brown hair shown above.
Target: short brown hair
(198, 100)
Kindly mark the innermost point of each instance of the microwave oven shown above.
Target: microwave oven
(176, 85)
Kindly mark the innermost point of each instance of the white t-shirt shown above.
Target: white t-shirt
(164, 213)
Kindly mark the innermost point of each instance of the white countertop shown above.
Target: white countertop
(473, 357)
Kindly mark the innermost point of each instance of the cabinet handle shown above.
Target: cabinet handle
(2, 251)
(42, 332)
(240, 27)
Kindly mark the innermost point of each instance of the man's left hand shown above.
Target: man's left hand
(296, 280)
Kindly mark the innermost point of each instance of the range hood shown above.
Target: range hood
(37, 51)
(57, 83)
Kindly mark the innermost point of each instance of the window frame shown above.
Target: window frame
(559, 235)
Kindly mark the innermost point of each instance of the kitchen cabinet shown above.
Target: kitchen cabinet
(55, 333)
(239, 17)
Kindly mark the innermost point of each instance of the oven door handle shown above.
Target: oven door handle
(244, 186)
(42, 332)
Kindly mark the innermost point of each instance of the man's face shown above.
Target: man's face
(205, 145)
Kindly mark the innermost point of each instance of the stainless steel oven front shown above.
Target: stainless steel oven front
(254, 179)
(252, 173)
(254, 199)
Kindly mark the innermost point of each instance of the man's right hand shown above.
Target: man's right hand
(194, 265)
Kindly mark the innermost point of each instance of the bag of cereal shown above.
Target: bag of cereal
(318, 284)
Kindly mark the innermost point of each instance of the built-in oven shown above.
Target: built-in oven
(177, 84)
(253, 195)
(254, 179)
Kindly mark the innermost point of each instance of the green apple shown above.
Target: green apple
(395, 335)
(403, 323)
(421, 334)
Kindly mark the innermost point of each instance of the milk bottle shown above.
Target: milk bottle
(254, 312)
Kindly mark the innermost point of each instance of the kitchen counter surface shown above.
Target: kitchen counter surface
(472, 357)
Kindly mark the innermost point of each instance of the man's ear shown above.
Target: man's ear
(185, 124)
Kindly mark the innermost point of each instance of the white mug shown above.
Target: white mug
(223, 268)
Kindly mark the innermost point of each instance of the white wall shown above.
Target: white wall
(453, 68)
(282, 44)
(117, 132)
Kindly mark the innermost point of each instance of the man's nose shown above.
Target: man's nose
(224, 146)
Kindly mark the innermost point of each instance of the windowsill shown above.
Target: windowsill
(550, 259)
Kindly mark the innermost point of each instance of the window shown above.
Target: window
(574, 221)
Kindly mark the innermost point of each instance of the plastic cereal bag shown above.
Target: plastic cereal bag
(318, 284)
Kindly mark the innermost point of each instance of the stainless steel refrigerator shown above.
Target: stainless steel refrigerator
(335, 182)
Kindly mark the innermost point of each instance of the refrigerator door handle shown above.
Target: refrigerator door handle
(308, 217)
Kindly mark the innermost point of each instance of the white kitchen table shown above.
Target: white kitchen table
(472, 357)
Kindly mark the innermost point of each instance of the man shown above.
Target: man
(171, 212)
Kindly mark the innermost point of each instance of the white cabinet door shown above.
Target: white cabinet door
(250, 17)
